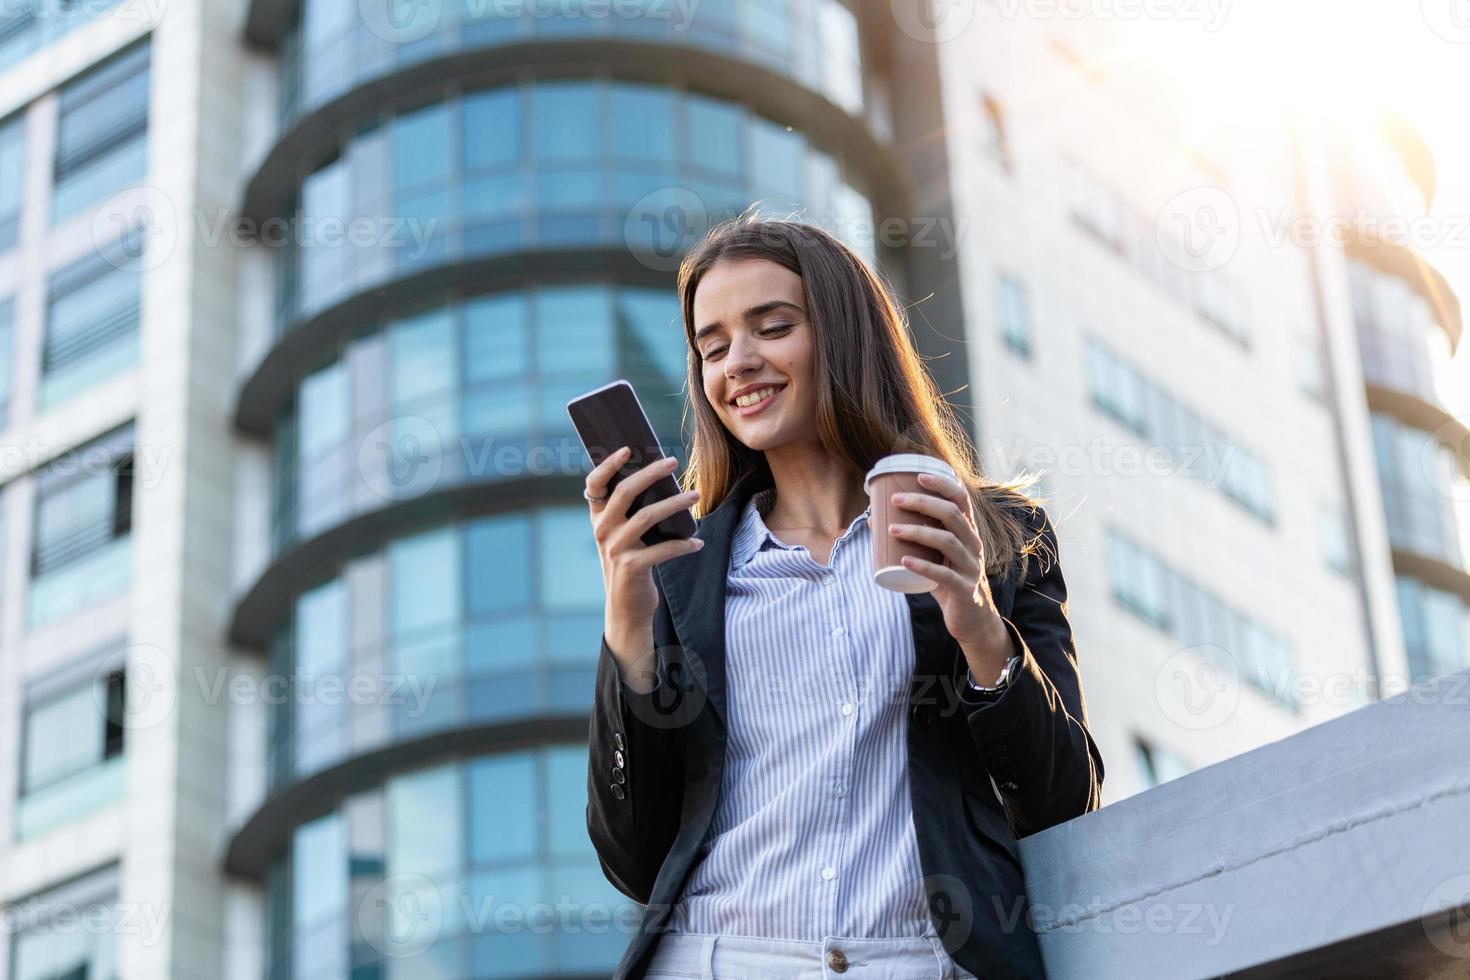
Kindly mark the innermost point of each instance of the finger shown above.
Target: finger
(602, 474)
(950, 490)
(656, 554)
(646, 517)
(641, 479)
(941, 540)
(941, 575)
(945, 512)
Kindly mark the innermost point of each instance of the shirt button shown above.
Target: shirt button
(829, 873)
(847, 708)
(836, 961)
(838, 630)
(839, 790)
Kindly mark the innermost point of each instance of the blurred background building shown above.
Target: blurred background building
(300, 602)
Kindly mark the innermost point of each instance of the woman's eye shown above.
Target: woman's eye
(770, 331)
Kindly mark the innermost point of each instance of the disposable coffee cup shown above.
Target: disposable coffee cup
(899, 473)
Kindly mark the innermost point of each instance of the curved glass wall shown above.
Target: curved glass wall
(471, 390)
(1436, 628)
(476, 868)
(491, 619)
(1417, 475)
(1402, 346)
(334, 47)
(549, 164)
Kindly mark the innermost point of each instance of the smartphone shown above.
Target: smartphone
(611, 417)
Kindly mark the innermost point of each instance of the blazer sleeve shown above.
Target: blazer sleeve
(635, 779)
(1033, 735)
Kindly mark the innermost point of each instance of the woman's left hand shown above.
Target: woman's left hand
(961, 587)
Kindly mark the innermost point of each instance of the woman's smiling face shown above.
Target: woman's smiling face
(752, 332)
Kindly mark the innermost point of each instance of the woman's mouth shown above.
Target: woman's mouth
(762, 398)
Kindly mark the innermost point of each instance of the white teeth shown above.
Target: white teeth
(745, 401)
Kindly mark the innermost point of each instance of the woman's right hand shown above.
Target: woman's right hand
(627, 563)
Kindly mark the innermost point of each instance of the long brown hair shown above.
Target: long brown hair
(874, 395)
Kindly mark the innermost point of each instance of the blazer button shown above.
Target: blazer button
(1011, 786)
(618, 776)
(922, 716)
(617, 758)
(618, 791)
(836, 961)
(617, 740)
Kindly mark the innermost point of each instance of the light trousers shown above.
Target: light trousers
(702, 956)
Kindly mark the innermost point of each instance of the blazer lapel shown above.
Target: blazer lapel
(694, 588)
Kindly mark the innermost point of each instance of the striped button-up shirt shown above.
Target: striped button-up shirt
(814, 833)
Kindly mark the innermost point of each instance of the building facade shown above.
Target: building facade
(299, 604)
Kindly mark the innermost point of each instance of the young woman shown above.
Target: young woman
(798, 772)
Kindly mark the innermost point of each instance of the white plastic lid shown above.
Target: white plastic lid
(909, 463)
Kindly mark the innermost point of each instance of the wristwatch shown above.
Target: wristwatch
(1006, 673)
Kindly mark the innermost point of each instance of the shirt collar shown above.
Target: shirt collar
(752, 535)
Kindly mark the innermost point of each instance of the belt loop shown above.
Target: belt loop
(707, 957)
(946, 971)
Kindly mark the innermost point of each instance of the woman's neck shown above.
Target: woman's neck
(816, 493)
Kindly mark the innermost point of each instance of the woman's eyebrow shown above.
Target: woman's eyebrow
(750, 314)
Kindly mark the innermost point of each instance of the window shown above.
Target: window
(92, 314)
(80, 550)
(1436, 629)
(101, 140)
(1015, 316)
(49, 941)
(1198, 449)
(12, 177)
(72, 734)
(1171, 602)
(1157, 765)
(993, 132)
(1336, 544)
(7, 337)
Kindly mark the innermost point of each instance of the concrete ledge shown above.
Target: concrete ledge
(1341, 850)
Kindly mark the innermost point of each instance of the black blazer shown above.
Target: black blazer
(981, 773)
